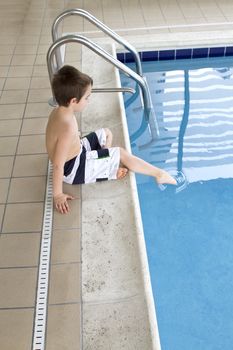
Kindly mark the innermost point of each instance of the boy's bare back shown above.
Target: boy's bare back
(62, 132)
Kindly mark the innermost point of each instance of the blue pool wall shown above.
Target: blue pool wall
(176, 54)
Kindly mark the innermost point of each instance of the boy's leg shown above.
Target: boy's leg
(138, 165)
(109, 137)
(101, 138)
(121, 172)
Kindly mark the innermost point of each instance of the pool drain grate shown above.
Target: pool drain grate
(44, 265)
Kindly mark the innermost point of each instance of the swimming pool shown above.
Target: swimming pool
(188, 229)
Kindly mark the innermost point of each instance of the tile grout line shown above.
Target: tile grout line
(219, 8)
(172, 26)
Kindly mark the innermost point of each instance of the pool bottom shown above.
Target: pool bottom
(189, 244)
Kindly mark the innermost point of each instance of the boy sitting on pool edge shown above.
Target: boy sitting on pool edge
(92, 158)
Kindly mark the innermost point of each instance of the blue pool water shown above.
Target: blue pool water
(189, 233)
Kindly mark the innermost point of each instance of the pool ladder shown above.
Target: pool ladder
(55, 64)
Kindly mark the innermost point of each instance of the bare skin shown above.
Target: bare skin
(138, 165)
(63, 144)
(121, 173)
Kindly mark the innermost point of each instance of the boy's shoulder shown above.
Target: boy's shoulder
(60, 115)
(58, 112)
(62, 120)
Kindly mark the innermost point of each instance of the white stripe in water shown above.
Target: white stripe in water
(198, 89)
(173, 119)
(210, 77)
(221, 156)
(201, 116)
(201, 71)
(209, 144)
(200, 149)
(197, 136)
(198, 72)
(191, 79)
(210, 125)
(40, 320)
(172, 73)
(195, 72)
(205, 117)
(199, 101)
(201, 110)
(201, 125)
(192, 118)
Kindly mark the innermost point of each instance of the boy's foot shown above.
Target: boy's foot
(165, 178)
(121, 173)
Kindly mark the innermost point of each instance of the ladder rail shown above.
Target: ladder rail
(101, 52)
(53, 102)
(100, 25)
(146, 97)
(122, 89)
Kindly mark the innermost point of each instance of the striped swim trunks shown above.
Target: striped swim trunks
(93, 163)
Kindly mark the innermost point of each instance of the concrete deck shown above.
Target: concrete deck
(114, 268)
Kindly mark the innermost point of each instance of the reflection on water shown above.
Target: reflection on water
(194, 109)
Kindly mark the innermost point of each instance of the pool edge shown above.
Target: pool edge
(140, 236)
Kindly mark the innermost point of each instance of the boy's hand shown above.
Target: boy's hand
(61, 202)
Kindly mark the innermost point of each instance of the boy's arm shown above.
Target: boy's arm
(59, 159)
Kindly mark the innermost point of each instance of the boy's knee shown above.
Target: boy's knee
(107, 132)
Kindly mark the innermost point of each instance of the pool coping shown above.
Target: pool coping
(138, 315)
(151, 307)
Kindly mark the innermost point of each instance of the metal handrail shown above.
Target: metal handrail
(53, 103)
(101, 52)
(100, 25)
(122, 89)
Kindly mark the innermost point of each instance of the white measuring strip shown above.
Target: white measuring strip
(43, 275)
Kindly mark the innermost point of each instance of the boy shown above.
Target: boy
(92, 158)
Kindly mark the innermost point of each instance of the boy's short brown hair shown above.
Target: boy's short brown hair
(69, 83)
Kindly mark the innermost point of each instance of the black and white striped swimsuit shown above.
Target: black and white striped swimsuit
(93, 163)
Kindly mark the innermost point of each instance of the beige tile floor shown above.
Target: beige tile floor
(24, 91)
